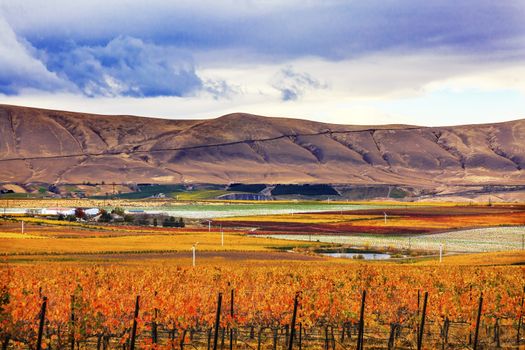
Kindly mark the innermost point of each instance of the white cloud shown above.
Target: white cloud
(293, 85)
(127, 66)
(19, 68)
(418, 90)
(236, 61)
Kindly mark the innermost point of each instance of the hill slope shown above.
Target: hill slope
(39, 145)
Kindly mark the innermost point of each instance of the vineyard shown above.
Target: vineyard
(161, 306)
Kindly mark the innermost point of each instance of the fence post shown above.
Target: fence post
(134, 328)
(294, 317)
(154, 332)
(300, 335)
(217, 322)
(422, 326)
(231, 314)
(360, 336)
(478, 319)
(520, 320)
(41, 324)
(72, 333)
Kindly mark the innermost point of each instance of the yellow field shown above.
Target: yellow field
(141, 243)
(18, 236)
(84, 203)
(184, 198)
(497, 258)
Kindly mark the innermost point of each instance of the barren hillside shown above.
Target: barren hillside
(39, 145)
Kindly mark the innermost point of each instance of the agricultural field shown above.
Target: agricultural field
(90, 276)
(176, 306)
(194, 208)
(386, 220)
(463, 241)
(88, 239)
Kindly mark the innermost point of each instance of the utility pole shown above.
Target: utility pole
(194, 246)
(441, 252)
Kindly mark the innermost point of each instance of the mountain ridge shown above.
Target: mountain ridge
(58, 147)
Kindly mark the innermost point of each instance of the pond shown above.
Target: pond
(365, 256)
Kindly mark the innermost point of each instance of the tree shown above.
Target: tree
(181, 223)
(142, 219)
(118, 211)
(104, 216)
(80, 214)
(155, 222)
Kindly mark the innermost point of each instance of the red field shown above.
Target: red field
(399, 221)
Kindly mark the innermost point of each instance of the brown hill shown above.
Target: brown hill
(38, 145)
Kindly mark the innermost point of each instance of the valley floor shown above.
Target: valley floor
(96, 271)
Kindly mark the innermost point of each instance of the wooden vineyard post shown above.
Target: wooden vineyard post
(294, 317)
(520, 319)
(183, 339)
(422, 325)
(217, 322)
(325, 337)
(478, 319)
(41, 324)
(154, 332)
(134, 328)
(360, 336)
(418, 310)
(72, 321)
(300, 335)
(232, 298)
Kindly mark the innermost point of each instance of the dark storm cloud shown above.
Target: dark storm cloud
(329, 29)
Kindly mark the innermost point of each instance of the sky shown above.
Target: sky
(350, 62)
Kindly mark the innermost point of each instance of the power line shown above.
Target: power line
(159, 150)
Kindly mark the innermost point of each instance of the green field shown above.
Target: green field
(225, 209)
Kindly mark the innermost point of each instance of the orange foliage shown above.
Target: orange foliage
(186, 297)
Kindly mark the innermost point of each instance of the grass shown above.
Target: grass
(198, 195)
